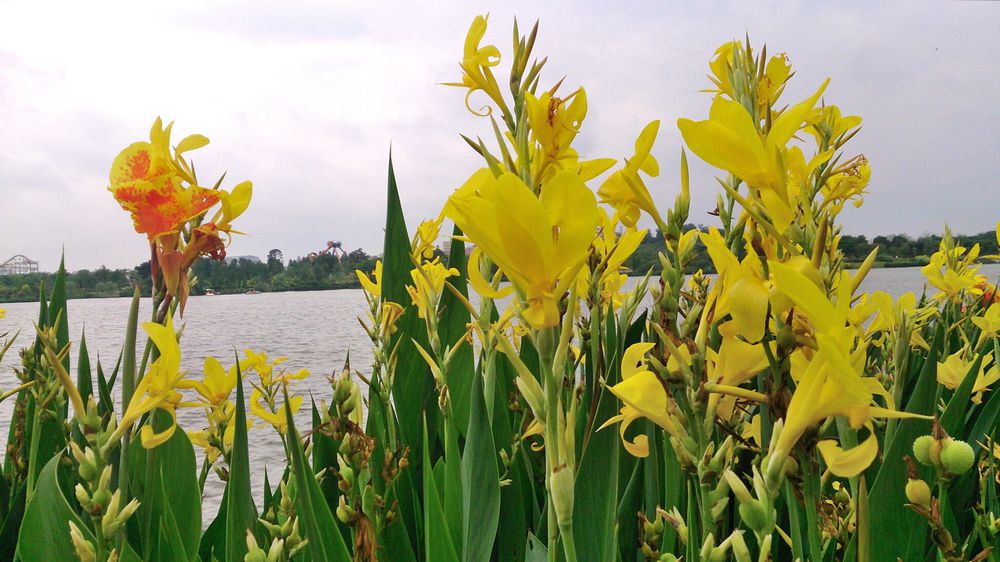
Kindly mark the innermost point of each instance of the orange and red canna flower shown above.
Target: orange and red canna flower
(148, 183)
(159, 189)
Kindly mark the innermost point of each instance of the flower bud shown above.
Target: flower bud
(100, 501)
(755, 516)
(82, 547)
(81, 495)
(345, 512)
(957, 457)
(561, 481)
(918, 493)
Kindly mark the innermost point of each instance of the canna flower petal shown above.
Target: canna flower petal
(850, 463)
(539, 243)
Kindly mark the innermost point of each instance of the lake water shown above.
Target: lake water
(315, 330)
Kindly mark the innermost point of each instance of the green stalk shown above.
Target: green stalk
(128, 389)
(36, 430)
(809, 493)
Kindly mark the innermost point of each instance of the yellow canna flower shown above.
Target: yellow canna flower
(770, 83)
(272, 412)
(953, 271)
(428, 283)
(829, 384)
(554, 123)
(476, 64)
(847, 185)
(2, 313)
(643, 396)
(852, 462)
(391, 312)
(539, 243)
(372, 285)
(889, 313)
(827, 124)
(988, 323)
(953, 370)
(625, 190)
(425, 237)
(741, 291)
(146, 180)
(736, 361)
(610, 252)
(260, 363)
(217, 385)
(158, 387)
(729, 139)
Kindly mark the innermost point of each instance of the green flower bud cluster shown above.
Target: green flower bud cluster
(283, 527)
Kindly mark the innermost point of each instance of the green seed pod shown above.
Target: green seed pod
(922, 449)
(957, 457)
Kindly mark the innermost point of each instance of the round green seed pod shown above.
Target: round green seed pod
(922, 449)
(957, 457)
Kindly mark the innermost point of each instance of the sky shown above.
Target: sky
(307, 98)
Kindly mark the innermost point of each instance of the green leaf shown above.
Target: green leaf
(904, 534)
(452, 485)
(320, 528)
(44, 535)
(241, 512)
(84, 377)
(451, 329)
(12, 522)
(480, 481)
(58, 315)
(413, 384)
(165, 481)
(438, 544)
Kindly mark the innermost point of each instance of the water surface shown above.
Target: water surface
(315, 330)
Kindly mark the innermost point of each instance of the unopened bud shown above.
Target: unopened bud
(82, 547)
(918, 493)
(561, 481)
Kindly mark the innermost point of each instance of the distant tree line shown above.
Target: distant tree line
(327, 271)
(897, 250)
(323, 271)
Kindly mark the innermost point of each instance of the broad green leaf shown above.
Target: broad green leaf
(451, 329)
(452, 485)
(241, 512)
(480, 481)
(44, 535)
(413, 385)
(84, 377)
(438, 544)
(13, 516)
(904, 534)
(165, 480)
(318, 524)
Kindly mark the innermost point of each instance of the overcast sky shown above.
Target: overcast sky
(305, 99)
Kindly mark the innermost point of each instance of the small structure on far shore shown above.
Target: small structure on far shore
(18, 265)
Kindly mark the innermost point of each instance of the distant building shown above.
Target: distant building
(252, 259)
(17, 265)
